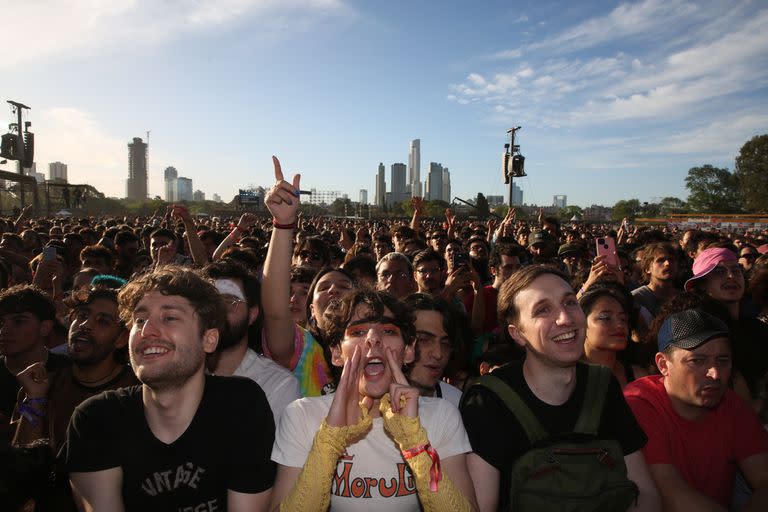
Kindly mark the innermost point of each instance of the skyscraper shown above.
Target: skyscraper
(57, 171)
(560, 201)
(517, 195)
(183, 189)
(170, 174)
(399, 190)
(363, 196)
(446, 191)
(434, 182)
(414, 167)
(136, 184)
(381, 186)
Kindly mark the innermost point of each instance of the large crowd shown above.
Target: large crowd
(279, 362)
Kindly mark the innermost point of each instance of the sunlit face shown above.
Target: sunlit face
(331, 286)
(430, 276)
(747, 257)
(165, 342)
(433, 346)
(95, 332)
(478, 250)
(438, 241)
(374, 336)
(156, 243)
(696, 379)
(725, 283)
(382, 248)
(393, 277)
(607, 325)
(551, 324)
(662, 268)
(307, 257)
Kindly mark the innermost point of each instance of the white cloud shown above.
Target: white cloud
(724, 136)
(85, 27)
(643, 19)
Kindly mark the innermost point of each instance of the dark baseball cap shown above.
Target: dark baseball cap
(690, 329)
(538, 237)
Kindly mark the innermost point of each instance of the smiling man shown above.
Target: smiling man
(168, 444)
(543, 397)
(700, 432)
(96, 345)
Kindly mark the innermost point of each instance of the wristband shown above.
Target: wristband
(435, 473)
(276, 224)
(41, 400)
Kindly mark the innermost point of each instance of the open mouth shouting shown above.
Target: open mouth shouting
(374, 368)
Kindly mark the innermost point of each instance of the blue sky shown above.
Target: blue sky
(616, 99)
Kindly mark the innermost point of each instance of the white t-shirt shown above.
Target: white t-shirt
(450, 393)
(279, 384)
(372, 474)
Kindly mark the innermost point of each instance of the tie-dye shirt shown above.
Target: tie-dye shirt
(308, 363)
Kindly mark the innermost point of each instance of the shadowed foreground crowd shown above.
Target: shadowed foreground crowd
(279, 363)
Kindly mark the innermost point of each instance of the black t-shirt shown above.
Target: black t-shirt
(497, 436)
(9, 388)
(226, 446)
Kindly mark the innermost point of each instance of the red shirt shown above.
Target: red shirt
(491, 319)
(704, 452)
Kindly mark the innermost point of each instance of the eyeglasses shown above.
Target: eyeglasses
(427, 271)
(749, 256)
(387, 275)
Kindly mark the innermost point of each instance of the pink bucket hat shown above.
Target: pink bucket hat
(706, 261)
(763, 249)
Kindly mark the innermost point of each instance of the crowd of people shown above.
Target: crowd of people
(305, 364)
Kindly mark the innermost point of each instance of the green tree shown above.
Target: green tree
(673, 205)
(752, 173)
(713, 190)
(342, 207)
(481, 203)
(628, 208)
(568, 212)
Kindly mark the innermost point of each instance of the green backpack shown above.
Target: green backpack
(567, 476)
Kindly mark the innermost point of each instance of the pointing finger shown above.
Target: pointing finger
(397, 373)
(278, 169)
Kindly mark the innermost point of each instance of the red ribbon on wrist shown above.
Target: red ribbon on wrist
(435, 473)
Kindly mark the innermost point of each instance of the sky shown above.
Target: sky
(616, 100)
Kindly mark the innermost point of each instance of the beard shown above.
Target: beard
(233, 333)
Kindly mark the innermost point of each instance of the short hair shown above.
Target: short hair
(340, 313)
(208, 234)
(163, 232)
(504, 249)
(231, 269)
(507, 310)
(125, 237)
(180, 281)
(610, 289)
(244, 255)
(363, 264)
(403, 231)
(421, 244)
(27, 298)
(395, 256)
(302, 274)
(428, 255)
(97, 251)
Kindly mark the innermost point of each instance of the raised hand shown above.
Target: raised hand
(346, 408)
(34, 380)
(246, 221)
(282, 200)
(404, 397)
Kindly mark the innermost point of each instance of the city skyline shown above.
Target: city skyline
(616, 99)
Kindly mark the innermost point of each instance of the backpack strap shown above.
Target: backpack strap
(598, 378)
(515, 404)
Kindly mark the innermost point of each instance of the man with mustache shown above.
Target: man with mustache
(699, 431)
(96, 346)
(241, 292)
